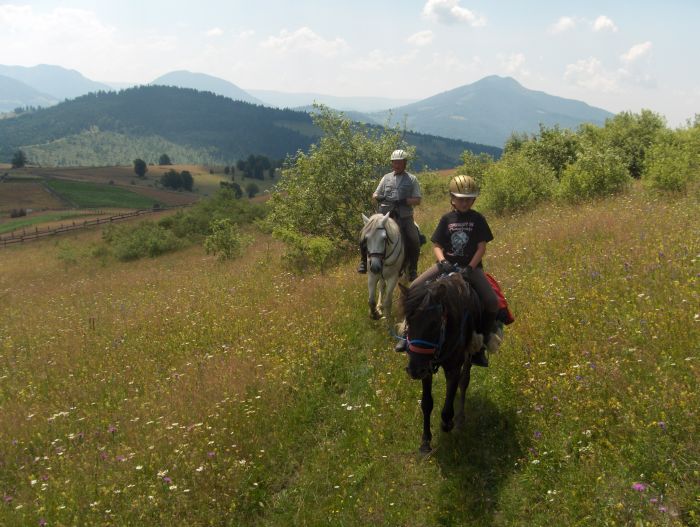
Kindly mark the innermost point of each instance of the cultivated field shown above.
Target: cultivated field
(182, 390)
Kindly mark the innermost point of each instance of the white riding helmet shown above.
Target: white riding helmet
(398, 155)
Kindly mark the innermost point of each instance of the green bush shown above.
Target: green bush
(596, 172)
(225, 240)
(516, 182)
(673, 162)
(304, 252)
(146, 239)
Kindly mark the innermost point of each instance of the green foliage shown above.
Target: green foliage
(673, 162)
(596, 172)
(306, 252)
(196, 221)
(475, 165)
(177, 180)
(233, 187)
(225, 240)
(19, 159)
(631, 135)
(146, 239)
(322, 193)
(140, 167)
(164, 159)
(554, 147)
(251, 189)
(516, 182)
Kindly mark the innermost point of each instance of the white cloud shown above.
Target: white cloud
(215, 32)
(590, 74)
(246, 34)
(636, 51)
(603, 23)
(304, 39)
(422, 38)
(513, 63)
(449, 12)
(562, 25)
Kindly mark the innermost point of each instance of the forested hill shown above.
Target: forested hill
(218, 128)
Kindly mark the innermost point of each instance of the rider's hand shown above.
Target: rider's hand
(446, 267)
(467, 272)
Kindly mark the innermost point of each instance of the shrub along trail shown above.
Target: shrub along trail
(185, 390)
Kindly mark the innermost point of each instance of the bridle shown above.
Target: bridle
(436, 349)
(383, 257)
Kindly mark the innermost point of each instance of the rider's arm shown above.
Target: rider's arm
(413, 201)
(437, 251)
(478, 255)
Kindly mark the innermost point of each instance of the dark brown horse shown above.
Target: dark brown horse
(440, 317)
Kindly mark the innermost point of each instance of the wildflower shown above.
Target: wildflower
(167, 480)
(211, 454)
(537, 434)
(6, 498)
(639, 487)
(112, 429)
(42, 522)
(662, 425)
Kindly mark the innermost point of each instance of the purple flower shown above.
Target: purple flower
(639, 487)
(112, 429)
(662, 509)
(211, 454)
(42, 522)
(662, 425)
(537, 434)
(167, 480)
(7, 499)
(653, 500)
(121, 458)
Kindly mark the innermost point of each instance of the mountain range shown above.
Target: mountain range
(485, 112)
(191, 126)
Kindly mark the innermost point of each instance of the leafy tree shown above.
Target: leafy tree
(225, 240)
(164, 159)
(631, 135)
(234, 187)
(673, 162)
(518, 181)
(475, 165)
(252, 189)
(140, 168)
(171, 179)
(19, 159)
(187, 180)
(596, 172)
(322, 192)
(555, 147)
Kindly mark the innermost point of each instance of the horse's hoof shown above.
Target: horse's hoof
(425, 448)
(447, 427)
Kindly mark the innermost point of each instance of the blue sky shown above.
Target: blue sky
(624, 55)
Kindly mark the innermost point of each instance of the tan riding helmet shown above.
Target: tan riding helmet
(399, 155)
(462, 186)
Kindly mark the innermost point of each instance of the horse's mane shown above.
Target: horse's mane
(452, 290)
(392, 228)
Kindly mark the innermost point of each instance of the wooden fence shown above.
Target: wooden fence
(29, 234)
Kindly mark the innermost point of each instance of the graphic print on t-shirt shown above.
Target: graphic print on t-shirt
(459, 241)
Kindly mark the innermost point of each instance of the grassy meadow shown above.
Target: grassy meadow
(85, 194)
(186, 391)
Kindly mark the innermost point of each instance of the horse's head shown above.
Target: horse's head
(378, 237)
(433, 314)
(425, 318)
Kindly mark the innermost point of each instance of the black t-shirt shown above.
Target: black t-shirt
(459, 235)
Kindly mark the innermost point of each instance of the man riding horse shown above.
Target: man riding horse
(399, 191)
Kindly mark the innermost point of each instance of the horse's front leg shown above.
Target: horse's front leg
(372, 280)
(463, 385)
(426, 404)
(448, 410)
(388, 295)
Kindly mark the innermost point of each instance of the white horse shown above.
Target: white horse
(385, 258)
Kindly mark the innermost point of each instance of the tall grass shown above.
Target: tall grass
(187, 391)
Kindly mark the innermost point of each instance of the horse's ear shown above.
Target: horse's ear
(386, 217)
(365, 219)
